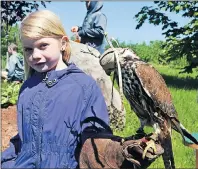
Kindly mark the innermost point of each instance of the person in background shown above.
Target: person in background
(94, 26)
(62, 114)
(15, 67)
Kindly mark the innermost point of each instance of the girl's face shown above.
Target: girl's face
(43, 54)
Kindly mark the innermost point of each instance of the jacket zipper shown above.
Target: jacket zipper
(40, 131)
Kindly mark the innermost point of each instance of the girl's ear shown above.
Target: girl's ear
(64, 41)
(65, 49)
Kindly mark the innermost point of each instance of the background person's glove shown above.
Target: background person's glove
(108, 153)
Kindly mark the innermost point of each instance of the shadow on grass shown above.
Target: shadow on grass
(187, 83)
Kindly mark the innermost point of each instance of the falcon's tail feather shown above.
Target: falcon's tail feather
(189, 136)
(167, 156)
(177, 126)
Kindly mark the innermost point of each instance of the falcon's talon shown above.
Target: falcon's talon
(122, 141)
(149, 144)
(154, 136)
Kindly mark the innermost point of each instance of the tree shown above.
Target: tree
(181, 41)
(14, 11)
(12, 37)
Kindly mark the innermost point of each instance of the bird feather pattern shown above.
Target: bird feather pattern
(149, 97)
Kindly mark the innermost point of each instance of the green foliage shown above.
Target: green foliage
(11, 36)
(3, 62)
(14, 11)
(151, 52)
(181, 41)
(147, 52)
(9, 95)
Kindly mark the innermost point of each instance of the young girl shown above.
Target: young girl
(58, 104)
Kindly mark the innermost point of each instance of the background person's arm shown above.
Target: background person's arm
(98, 30)
(4, 74)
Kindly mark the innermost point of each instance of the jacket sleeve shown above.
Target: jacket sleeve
(11, 66)
(98, 30)
(95, 114)
(11, 153)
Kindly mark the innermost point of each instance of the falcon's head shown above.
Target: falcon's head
(108, 60)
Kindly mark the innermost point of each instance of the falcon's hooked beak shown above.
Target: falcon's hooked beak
(108, 71)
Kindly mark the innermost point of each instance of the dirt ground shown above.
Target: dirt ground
(8, 125)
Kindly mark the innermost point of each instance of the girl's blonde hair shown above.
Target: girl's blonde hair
(42, 24)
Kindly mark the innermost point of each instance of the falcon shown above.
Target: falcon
(148, 96)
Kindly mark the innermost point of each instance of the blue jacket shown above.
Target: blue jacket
(51, 109)
(94, 26)
(15, 68)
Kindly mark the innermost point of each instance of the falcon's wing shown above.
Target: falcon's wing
(155, 87)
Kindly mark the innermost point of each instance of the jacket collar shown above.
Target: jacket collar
(53, 76)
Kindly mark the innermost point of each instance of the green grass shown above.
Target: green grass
(183, 88)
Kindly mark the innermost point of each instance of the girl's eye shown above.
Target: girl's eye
(43, 46)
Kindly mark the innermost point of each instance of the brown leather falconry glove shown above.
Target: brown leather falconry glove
(119, 153)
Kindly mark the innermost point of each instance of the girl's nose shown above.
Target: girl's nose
(36, 54)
